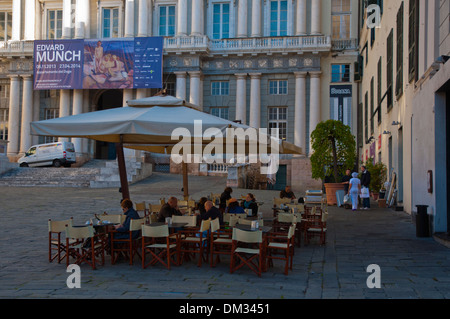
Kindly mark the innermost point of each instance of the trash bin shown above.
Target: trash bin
(422, 221)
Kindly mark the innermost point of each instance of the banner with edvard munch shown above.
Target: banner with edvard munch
(98, 64)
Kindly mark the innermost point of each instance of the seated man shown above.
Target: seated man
(287, 193)
(169, 209)
(212, 212)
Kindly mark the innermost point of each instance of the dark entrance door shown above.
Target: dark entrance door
(109, 99)
(447, 171)
(281, 179)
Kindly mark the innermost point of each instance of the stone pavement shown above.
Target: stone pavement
(410, 267)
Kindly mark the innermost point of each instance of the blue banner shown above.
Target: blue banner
(98, 64)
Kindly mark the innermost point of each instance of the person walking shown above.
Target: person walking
(365, 182)
(354, 188)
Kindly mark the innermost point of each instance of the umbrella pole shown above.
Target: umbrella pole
(185, 181)
(122, 170)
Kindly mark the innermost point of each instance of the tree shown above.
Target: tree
(334, 149)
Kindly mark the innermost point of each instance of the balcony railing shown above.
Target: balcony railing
(17, 47)
(345, 44)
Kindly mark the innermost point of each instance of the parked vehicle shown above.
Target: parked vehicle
(51, 154)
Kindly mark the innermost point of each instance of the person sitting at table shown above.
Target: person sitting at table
(287, 193)
(169, 209)
(250, 203)
(200, 209)
(226, 195)
(234, 208)
(212, 212)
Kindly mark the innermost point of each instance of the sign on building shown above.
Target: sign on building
(98, 64)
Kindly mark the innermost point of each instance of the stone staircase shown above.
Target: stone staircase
(94, 174)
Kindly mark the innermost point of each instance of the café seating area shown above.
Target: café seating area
(261, 243)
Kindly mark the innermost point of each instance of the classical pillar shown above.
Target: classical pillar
(141, 93)
(181, 85)
(315, 106)
(27, 113)
(78, 97)
(129, 19)
(301, 17)
(241, 97)
(255, 100)
(36, 111)
(82, 25)
(143, 18)
(256, 18)
(127, 96)
(242, 19)
(197, 18)
(30, 9)
(14, 115)
(182, 18)
(67, 19)
(194, 95)
(64, 108)
(300, 110)
(16, 24)
(316, 17)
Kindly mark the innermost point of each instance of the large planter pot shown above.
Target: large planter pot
(330, 190)
(375, 196)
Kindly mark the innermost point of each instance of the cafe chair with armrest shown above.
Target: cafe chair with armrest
(195, 241)
(87, 246)
(115, 218)
(242, 250)
(162, 246)
(190, 220)
(283, 222)
(315, 225)
(285, 243)
(55, 241)
(220, 242)
(128, 246)
(141, 209)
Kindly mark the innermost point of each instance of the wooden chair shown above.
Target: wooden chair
(128, 246)
(116, 219)
(195, 241)
(278, 201)
(191, 220)
(244, 254)
(55, 242)
(161, 245)
(283, 222)
(285, 243)
(86, 246)
(141, 209)
(315, 224)
(220, 242)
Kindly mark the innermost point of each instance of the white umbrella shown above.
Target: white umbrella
(148, 124)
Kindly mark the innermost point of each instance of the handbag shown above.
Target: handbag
(347, 199)
(365, 192)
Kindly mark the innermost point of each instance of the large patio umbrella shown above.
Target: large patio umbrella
(148, 124)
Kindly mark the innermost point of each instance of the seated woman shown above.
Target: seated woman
(233, 207)
(250, 203)
(130, 213)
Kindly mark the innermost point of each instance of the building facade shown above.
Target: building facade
(404, 101)
(286, 64)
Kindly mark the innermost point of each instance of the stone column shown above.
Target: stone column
(256, 18)
(242, 19)
(67, 19)
(127, 96)
(78, 98)
(315, 104)
(64, 108)
(82, 25)
(36, 111)
(27, 113)
(182, 18)
(30, 9)
(14, 115)
(301, 17)
(300, 110)
(181, 85)
(129, 19)
(16, 24)
(143, 18)
(141, 93)
(316, 22)
(194, 96)
(197, 17)
(255, 100)
(241, 97)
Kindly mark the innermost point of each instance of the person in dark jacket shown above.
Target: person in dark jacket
(233, 207)
(250, 203)
(169, 209)
(365, 182)
(287, 193)
(123, 229)
(226, 195)
(212, 212)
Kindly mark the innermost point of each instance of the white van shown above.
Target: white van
(57, 154)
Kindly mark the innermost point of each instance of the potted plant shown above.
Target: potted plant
(377, 177)
(334, 150)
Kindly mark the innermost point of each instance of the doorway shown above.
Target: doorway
(281, 178)
(108, 99)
